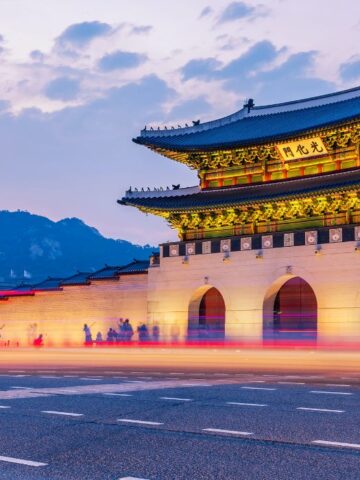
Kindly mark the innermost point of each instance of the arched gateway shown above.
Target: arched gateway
(291, 312)
(207, 315)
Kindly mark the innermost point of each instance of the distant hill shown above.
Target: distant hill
(33, 247)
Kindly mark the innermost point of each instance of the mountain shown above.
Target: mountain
(33, 247)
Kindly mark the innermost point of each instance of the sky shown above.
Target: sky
(80, 78)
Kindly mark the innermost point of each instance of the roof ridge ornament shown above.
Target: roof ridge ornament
(249, 104)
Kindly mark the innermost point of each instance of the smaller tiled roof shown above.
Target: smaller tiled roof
(108, 272)
(137, 266)
(51, 283)
(105, 273)
(80, 278)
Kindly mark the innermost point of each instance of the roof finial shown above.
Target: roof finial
(249, 104)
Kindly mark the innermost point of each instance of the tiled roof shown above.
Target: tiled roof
(105, 273)
(246, 194)
(80, 278)
(260, 124)
(137, 266)
(108, 272)
(49, 284)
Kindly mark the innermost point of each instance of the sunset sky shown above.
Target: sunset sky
(80, 78)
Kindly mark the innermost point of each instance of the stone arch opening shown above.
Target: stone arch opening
(290, 310)
(207, 314)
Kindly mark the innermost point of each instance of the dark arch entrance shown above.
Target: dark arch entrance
(294, 312)
(207, 319)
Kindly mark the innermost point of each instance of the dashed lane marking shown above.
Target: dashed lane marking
(21, 388)
(92, 379)
(247, 404)
(320, 410)
(230, 432)
(5, 406)
(68, 414)
(258, 388)
(48, 376)
(118, 394)
(197, 385)
(177, 398)
(336, 444)
(140, 422)
(291, 383)
(132, 478)
(337, 385)
(326, 392)
(20, 461)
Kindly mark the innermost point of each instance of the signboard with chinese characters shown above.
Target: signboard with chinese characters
(310, 147)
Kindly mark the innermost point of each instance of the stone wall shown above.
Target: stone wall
(60, 315)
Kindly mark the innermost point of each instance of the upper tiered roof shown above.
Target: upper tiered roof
(259, 124)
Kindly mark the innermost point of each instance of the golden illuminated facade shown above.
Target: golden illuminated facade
(285, 173)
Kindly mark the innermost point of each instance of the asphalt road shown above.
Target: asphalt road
(121, 424)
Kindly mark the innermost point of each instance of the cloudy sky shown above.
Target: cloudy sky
(80, 78)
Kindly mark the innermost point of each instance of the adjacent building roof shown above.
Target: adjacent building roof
(108, 272)
(259, 124)
(197, 199)
(80, 278)
(51, 283)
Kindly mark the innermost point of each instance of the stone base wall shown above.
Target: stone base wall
(249, 281)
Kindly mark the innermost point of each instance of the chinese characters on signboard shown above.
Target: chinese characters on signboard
(310, 147)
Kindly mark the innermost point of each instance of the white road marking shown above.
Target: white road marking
(46, 371)
(247, 404)
(291, 383)
(326, 392)
(320, 410)
(22, 388)
(134, 381)
(337, 444)
(231, 432)
(17, 371)
(88, 378)
(48, 376)
(256, 381)
(121, 377)
(132, 478)
(197, 385)
(69, 414)
(337, 385)
(140, 422)
(70, 376)
(20, 461)
(146, 378)
(5, 406)
(118, 394)
(177, 398)
(258, 388)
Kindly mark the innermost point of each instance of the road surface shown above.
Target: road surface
(161, 424)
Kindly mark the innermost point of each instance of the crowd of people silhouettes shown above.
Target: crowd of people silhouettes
(123, 333)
